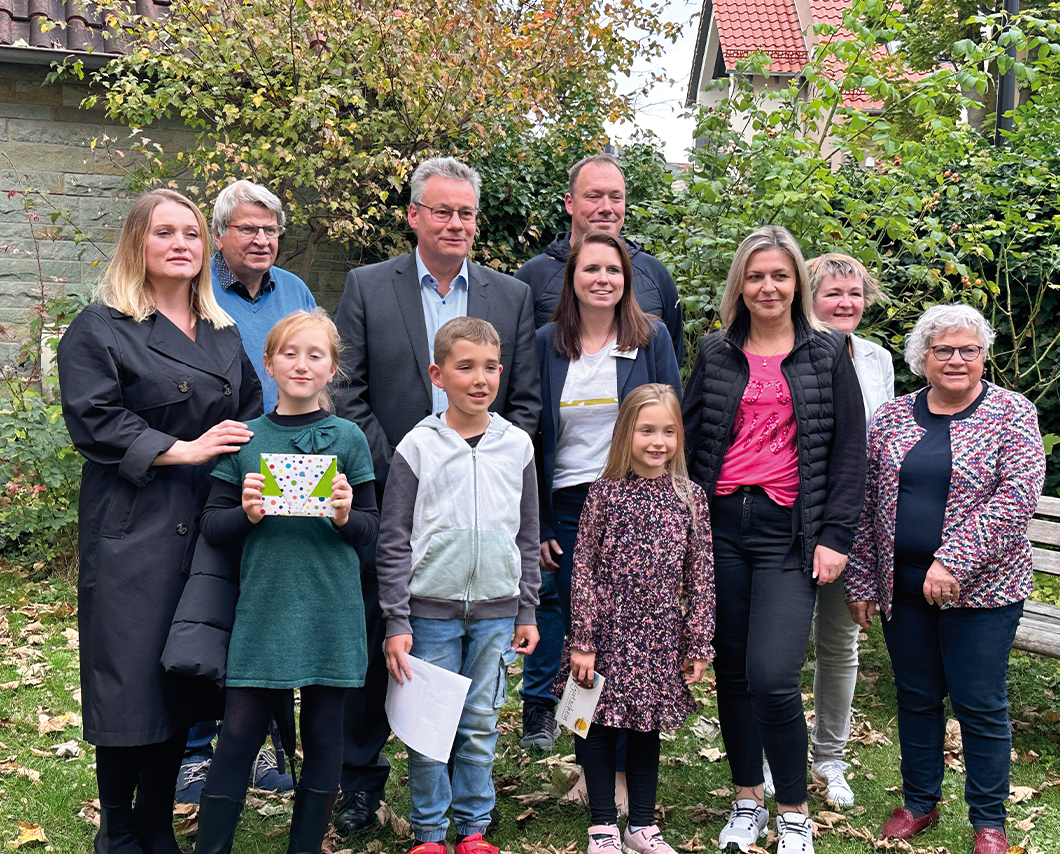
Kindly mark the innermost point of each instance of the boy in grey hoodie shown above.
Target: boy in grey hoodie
(458, 572)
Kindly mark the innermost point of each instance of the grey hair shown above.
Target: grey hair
(247, 193)
(575, 170)
(767, 237)
(939, 320)
(443, 167)
(843, 267)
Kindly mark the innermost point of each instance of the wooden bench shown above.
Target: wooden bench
(1039, 630)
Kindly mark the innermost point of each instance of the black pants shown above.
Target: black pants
(762, 627)
(247, 715)
(365, 727)
(642, 773)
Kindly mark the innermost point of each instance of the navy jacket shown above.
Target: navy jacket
(655, 363)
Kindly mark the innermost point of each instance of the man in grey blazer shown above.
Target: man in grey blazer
(388, 316)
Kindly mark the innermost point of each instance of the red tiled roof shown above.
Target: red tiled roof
(81, 28)
(771, 26)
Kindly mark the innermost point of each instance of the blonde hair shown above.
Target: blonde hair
(463, 329)
(767, 237)
(620, 456)
(843, 267)
(298, 321)
(123, 286)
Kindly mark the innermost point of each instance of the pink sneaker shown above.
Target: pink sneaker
(647, 840)
(603, 839)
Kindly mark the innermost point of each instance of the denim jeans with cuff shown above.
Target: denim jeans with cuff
(479, 650)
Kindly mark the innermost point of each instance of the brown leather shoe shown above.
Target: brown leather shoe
(902, 824)
(991, 840)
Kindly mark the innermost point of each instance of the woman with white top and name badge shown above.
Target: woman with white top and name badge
(599, 346)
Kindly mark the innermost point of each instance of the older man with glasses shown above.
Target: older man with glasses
(248, 221)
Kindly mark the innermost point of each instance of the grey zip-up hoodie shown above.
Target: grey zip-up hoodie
(458, 537)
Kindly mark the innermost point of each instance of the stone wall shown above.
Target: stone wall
(46, 145)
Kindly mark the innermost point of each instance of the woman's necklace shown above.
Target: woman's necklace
(765, 357)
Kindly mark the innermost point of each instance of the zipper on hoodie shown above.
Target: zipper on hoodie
(474, 537)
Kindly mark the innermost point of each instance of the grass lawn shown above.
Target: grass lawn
(47, 782)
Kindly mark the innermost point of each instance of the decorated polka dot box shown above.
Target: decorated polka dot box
(298, 484)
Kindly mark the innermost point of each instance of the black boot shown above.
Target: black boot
(116, 834)
(153, 822)
(218, 817)
(312, 809)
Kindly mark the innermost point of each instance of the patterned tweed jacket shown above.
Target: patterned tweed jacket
(998, 473)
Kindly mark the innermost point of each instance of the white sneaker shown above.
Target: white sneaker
(767, 774)
(796, 834)
(839, 791)
(747, 822)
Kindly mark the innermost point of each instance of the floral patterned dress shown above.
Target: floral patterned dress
(642, 598)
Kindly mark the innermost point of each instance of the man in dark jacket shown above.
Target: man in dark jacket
(596, 200)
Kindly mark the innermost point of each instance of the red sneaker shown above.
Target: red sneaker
(473, 844)
(429, 848)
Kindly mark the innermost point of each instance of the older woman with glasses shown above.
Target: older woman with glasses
(954, 473)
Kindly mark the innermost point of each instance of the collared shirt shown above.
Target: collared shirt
(437, 310)
(230, 283)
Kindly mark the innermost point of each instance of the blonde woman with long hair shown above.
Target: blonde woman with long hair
(775, 430)
(154, 385)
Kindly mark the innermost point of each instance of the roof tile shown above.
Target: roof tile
(79, 25)
(772, 26)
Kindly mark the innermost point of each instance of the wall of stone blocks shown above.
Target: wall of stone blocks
(46, 144)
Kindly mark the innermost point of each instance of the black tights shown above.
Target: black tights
(149, 770)
(246, 721)
(642, 773)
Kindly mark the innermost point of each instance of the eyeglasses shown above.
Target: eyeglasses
(250, 231)
(944, 352)
(444, 214)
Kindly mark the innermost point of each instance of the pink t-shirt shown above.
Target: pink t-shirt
(763, 451)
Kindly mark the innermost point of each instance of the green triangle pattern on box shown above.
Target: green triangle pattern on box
(270, 487)
(323, 487)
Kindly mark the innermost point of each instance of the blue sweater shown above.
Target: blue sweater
(254, 320)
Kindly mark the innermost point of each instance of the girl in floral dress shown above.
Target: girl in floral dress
(642, 610)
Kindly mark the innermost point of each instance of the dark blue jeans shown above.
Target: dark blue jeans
(962, 652)
(553, 610)
(761, 630)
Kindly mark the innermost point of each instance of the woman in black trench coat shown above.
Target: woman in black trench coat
(154, 384)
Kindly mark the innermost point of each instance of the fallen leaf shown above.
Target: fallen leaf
(28, 834)
(706, 728)
(185, 809)
(525, 814)
(9, 686)
(46, 723)
(532, 798)
(692, 844)
(723, 792)
(711, 754)
(1019, 794)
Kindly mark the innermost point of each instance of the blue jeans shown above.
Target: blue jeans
(962, 652)
(479, 650)
(762, 626)
(553, 609)
(200, 740)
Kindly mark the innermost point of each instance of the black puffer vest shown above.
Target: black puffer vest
(829, 416)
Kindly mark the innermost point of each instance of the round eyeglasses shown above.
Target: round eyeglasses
(944, 352)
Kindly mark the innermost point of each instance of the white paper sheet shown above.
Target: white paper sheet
(424, 711)
(578, 705)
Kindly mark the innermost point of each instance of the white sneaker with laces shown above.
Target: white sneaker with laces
(796, 834)
(747, 822)
(839, 791)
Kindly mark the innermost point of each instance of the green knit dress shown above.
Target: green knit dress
(300, 616)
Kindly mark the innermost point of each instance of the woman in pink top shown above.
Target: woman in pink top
(775, 430)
